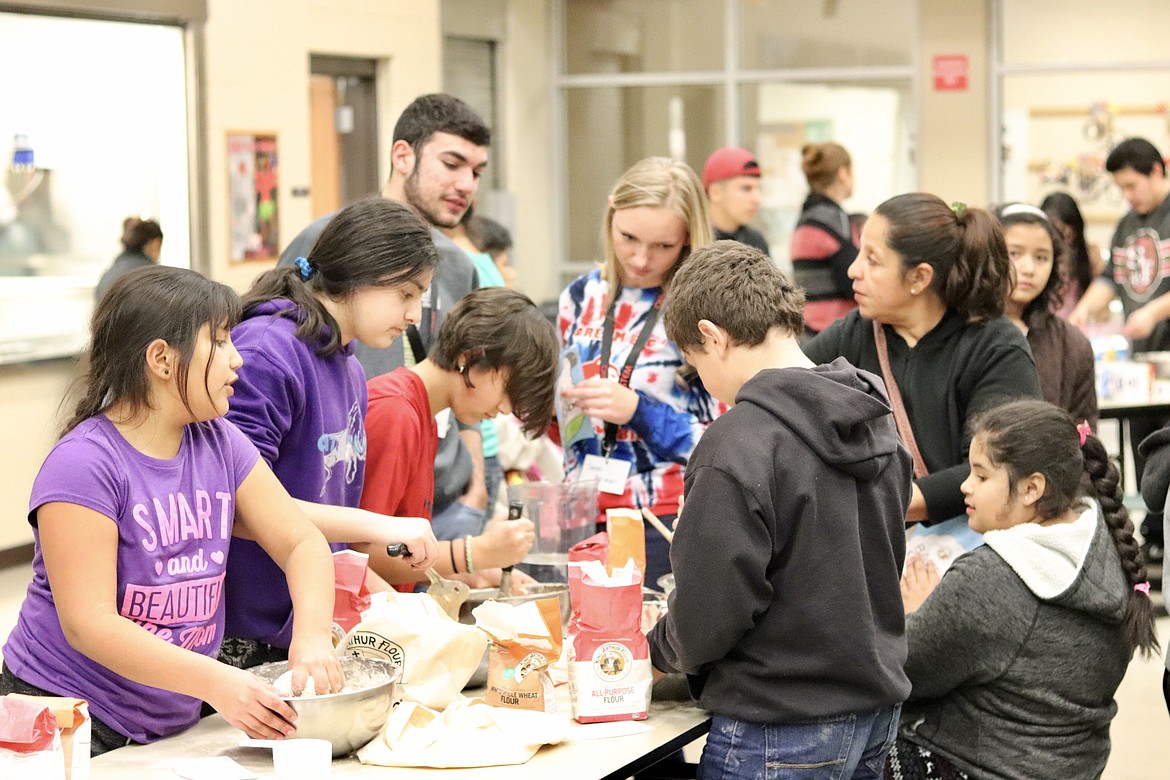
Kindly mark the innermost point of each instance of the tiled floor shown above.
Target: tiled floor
(1140, 730)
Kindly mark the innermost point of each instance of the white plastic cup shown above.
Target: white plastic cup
(302, 759)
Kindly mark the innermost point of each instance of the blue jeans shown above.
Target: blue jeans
(457, 520)
(839, 748)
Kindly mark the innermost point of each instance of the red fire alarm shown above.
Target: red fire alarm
(950, 72)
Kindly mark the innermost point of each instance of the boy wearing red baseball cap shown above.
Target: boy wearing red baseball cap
(731, 179)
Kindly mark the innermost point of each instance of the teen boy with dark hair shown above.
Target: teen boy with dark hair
(787, 615)
(496, 353)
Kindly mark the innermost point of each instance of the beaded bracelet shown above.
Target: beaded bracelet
(467, 554)
(451, 550)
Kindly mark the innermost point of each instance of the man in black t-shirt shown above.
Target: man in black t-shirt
(1138, 272)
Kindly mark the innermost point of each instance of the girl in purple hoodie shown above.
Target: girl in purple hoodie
(301, 399)
(133, 512)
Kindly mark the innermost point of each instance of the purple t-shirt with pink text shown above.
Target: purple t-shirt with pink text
(174, 521)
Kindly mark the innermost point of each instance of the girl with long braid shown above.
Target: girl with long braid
(1016, 655)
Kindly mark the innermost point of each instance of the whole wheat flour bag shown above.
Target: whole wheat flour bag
(437, 655)
(609, 668)
(526, 639)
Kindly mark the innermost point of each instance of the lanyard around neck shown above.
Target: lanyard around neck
(627, 371)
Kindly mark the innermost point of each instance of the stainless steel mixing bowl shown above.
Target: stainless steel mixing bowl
(348, 720)
(540, 590)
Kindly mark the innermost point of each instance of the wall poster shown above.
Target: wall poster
(254, 221)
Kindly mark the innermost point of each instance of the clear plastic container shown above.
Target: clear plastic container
(563, 513)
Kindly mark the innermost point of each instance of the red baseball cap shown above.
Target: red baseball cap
(728, 162)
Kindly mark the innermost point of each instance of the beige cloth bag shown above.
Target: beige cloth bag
(437, 655)
(466, 734)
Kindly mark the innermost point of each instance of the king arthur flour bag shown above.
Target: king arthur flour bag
(437, 654)
(595, 548)
(609, 663)
(526, 640)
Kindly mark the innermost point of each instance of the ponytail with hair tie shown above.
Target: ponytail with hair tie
(1137, 625)
(305, 267)
(373, 242)
(964, 246)
(1084, 431)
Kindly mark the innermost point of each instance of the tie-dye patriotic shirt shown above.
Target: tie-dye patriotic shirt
(670, 415)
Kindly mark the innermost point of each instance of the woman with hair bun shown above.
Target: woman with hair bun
(930, 282)
(825, 243)
(141, 248)
(1016, 654)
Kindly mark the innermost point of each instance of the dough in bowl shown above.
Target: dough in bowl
(283, 684)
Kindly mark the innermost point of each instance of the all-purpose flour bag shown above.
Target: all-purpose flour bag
(609, 665)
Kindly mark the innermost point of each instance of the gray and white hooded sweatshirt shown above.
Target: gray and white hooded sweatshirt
(1015, 657)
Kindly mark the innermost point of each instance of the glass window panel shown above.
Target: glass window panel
(132, 159)
(469, 73)
(609, 129)
(108, 139)
(1084, 31)
(873, 120)
(643, 36)
(826, 33)
(1058, 128)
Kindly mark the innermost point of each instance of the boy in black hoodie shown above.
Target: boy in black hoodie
(787, 614)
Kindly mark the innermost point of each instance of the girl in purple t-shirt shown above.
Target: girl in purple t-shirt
(301, 400)
(132, 513)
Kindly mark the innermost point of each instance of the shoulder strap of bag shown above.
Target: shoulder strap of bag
(900, 417)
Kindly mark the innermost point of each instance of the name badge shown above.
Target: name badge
(611, 473)
(443, 422)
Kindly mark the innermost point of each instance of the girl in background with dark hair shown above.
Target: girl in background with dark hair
(824, 243)
(1015, 655)
(1081, 262)
(126, 607)
(301, 399)
(1063, 355)
(493, 239)
(141, 248)
(930, 283)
